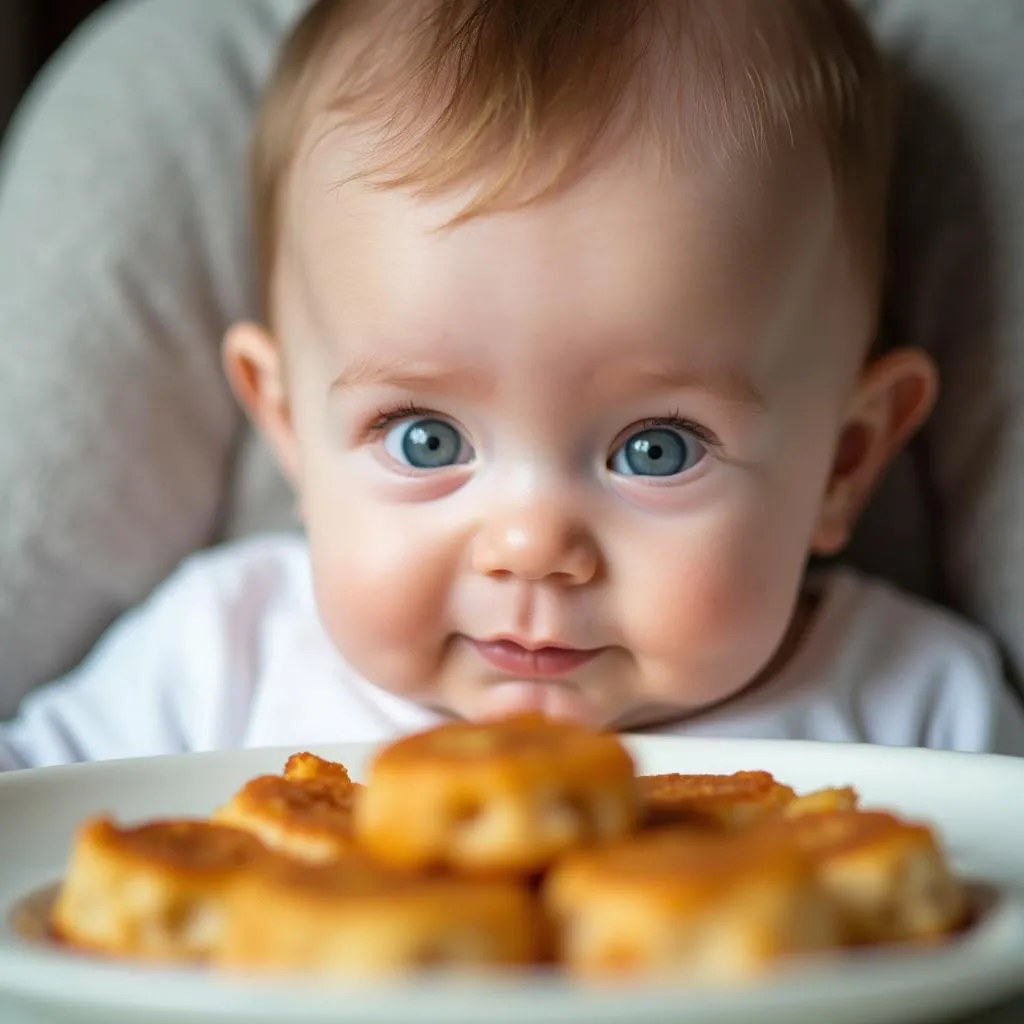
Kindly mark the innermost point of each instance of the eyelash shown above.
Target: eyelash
(680, 422)
(384, 418)
(395, 414)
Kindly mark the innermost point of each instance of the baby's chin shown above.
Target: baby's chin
(555, 699)
(619, 698)
(522, 696)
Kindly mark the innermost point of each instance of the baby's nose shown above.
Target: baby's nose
(538, 542)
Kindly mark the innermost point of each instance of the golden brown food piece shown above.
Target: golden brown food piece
(719, 801)
(308, 816)
(309, 766)
(153, 891)
(823, 801)
(354, 918)
(498, 797)
(889, 877)
(704, 907)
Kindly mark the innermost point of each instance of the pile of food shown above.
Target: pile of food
(513, 843)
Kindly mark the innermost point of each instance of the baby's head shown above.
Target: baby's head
(569, 321)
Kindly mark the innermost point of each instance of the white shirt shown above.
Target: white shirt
(230, 652)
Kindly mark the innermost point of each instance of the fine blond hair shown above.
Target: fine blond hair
(515, 96)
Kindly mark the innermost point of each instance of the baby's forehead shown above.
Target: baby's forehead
(630, 251)
(412, 127)
(623, 192)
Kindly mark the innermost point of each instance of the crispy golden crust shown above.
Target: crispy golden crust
(309, 766)
(308, 816)
(721, 801)
(433, 865)
(509, 796)
(889, 877)
(355, 918)
(705, 906)
(154, 891)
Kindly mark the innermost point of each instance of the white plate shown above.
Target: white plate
(976, 802)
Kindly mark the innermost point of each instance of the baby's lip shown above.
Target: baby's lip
(527, 644)
(531, 661)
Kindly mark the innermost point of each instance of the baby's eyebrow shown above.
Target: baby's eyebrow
(387, 371)
(728, 386)
(376, 370)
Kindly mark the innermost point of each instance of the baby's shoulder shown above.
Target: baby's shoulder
(260, 569)
(911, 671)
(871, 618)
(236, 594)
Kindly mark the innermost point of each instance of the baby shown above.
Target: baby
(568, 351)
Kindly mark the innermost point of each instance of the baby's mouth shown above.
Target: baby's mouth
(543, 662)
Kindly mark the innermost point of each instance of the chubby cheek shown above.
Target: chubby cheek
(712, 599)
(382, 584)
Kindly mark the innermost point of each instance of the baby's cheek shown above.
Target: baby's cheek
(382, 598)
(712, 609)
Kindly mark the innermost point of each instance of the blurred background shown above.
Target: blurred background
(30, 30)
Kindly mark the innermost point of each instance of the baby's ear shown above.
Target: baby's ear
(893, 398)
(255, 370)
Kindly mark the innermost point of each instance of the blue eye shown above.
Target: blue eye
(426, 443)
(657, 451)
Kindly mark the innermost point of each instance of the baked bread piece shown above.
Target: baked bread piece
(889, 877)
(308, 816)
(153, 891)
(719, 801)
(823, 801)
(354, 918)
(702, 907)
(506, 797)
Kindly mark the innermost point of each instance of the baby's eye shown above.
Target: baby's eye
(426, 443)
(657, 451)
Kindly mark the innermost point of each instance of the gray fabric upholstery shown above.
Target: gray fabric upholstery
(958, 285)
(123, 252)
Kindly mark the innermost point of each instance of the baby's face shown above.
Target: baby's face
(572, 457)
